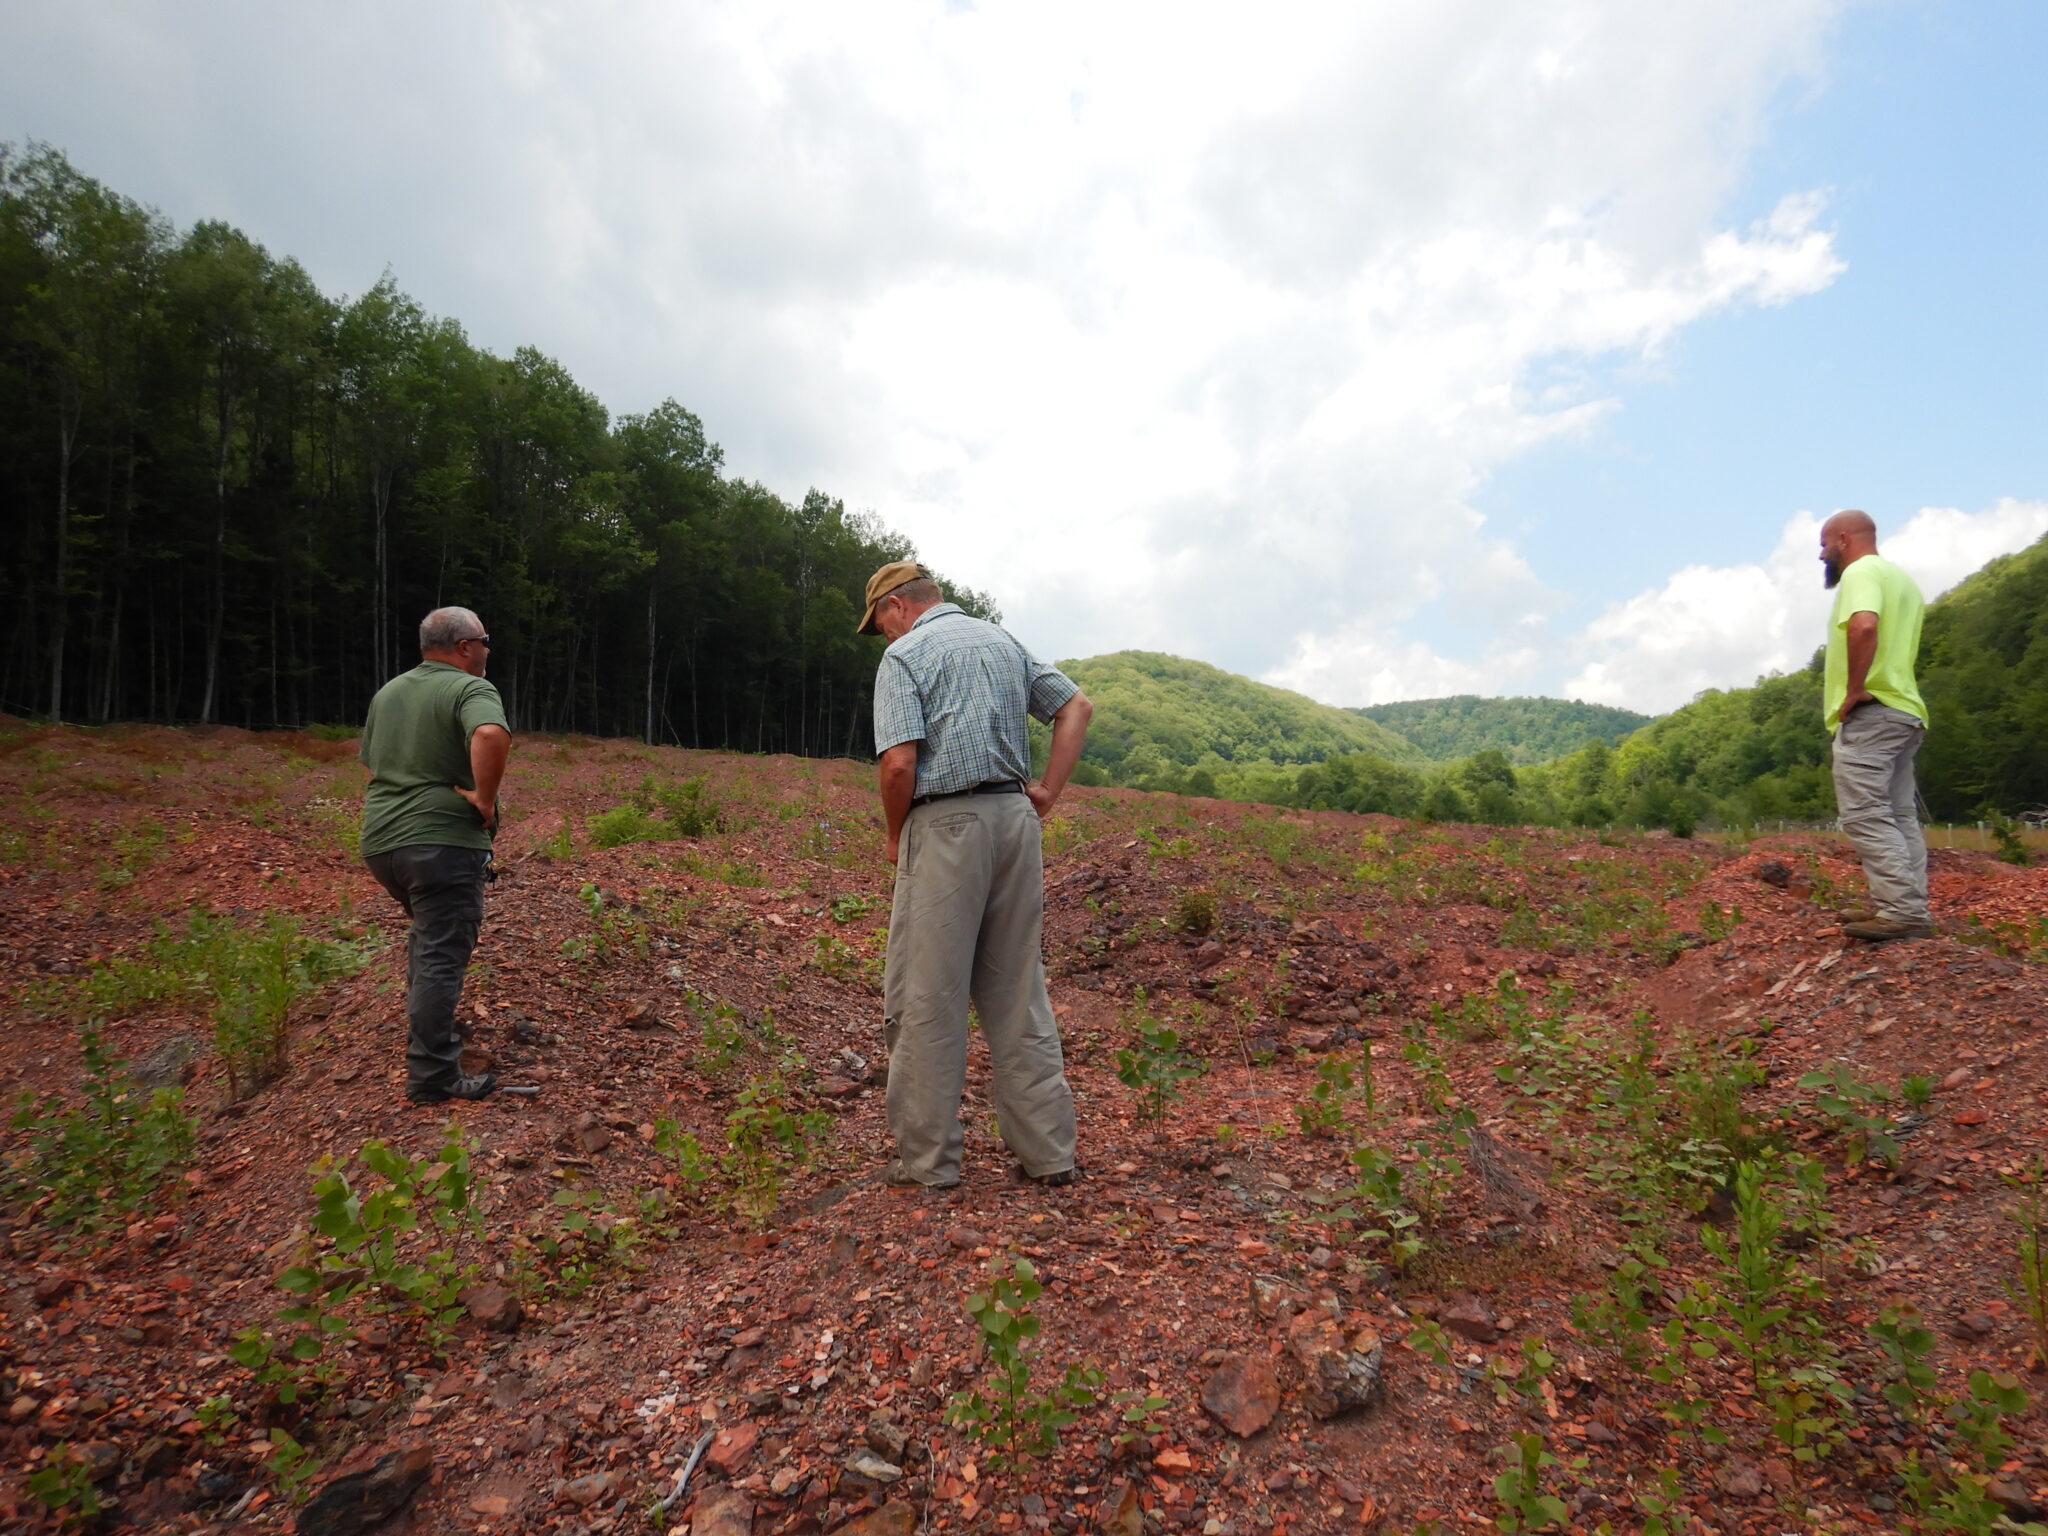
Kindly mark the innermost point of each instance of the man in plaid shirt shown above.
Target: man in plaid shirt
(963, 832)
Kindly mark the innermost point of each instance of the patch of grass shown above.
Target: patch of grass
(340, 822)
(726, 871)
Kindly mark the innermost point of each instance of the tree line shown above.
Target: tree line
(232, 497)
(1743, 757)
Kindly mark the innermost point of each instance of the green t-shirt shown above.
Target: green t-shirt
(1874, 585)
(416, 746)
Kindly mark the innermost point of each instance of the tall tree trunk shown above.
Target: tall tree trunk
(217, 620)
(650, 658)
(108, 683)
(67, 441)
(384, 655)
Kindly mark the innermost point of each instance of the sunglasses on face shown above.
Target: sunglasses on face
(482, 640)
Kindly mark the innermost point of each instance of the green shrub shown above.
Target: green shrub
(624, 824)
(1006, 1415)
(765, 1143)
(94, 1164)
(689, 807)
(1195, 912)
(2005, 833)
(248, 977)
(1154, 1065)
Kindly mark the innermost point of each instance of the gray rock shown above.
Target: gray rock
(870, 1466)
(168, 1065)
(1342, 1374)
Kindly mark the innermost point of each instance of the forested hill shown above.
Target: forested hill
(231, 497)
(1754, 754)
(1524, 730)
(1162, 722)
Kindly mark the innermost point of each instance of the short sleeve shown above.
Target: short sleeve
(482, 706)
(1050, 688)
(1863, 591)
(899, 712)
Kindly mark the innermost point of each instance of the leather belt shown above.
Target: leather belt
(993, 787)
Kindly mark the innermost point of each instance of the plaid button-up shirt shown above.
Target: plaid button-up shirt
(960, 688)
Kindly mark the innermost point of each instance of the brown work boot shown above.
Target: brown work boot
(1855, 911)
(1880, 930)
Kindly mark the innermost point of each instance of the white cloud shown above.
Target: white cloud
(1723, 626)
(1171, 325)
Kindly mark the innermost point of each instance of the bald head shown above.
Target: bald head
(1845, 538)
(1850, 524)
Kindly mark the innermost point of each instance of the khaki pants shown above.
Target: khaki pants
(965, 925)
(1874, 752)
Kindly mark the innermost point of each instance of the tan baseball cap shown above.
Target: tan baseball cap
(882, 583)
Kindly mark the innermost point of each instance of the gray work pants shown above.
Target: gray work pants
(1874, 752)
(442, 891)
(965, 925)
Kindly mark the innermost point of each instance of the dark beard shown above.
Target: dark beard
(1832, 573)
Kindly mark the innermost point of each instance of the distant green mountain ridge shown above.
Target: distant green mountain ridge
(1524, 730)
(1163, 722)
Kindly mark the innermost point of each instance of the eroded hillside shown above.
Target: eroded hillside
(1504, 1146)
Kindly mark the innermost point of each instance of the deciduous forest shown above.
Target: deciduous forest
(231, 497)
(1527, 730)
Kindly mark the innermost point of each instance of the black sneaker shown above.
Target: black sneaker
(1059, 1180)
(482, 1086)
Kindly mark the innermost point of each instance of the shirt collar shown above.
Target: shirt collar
(934, 611)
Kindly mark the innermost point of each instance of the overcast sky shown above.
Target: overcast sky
(1382, 350)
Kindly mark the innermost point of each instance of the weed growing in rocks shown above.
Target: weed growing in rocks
(2007, 936)
(1956, 1496)
(1906, 1343)
(1154, 1066)
(63, 1485)
(90, 1165)
(1003, 1413)
(373, 1254)
(1322, 1114)
(1850, 1103)
(2030, 1285)
(1525, 1503)
(617, 929)
(624, 824)
(765, 1143)
(1195, 912)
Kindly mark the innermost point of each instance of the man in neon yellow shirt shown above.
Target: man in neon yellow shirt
(1873, 706)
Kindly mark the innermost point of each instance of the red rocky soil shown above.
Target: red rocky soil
(1208, 1262)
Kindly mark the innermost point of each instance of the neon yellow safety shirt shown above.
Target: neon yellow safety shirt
(1874, 585)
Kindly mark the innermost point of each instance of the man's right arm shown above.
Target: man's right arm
(1861, 634)
(899, 788)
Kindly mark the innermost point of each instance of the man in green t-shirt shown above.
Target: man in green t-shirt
(1873, 706)
(436, 743)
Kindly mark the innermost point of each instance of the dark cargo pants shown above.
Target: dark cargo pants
(442, 891)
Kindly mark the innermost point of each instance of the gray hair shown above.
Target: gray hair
(917, 591)
(446, 628)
